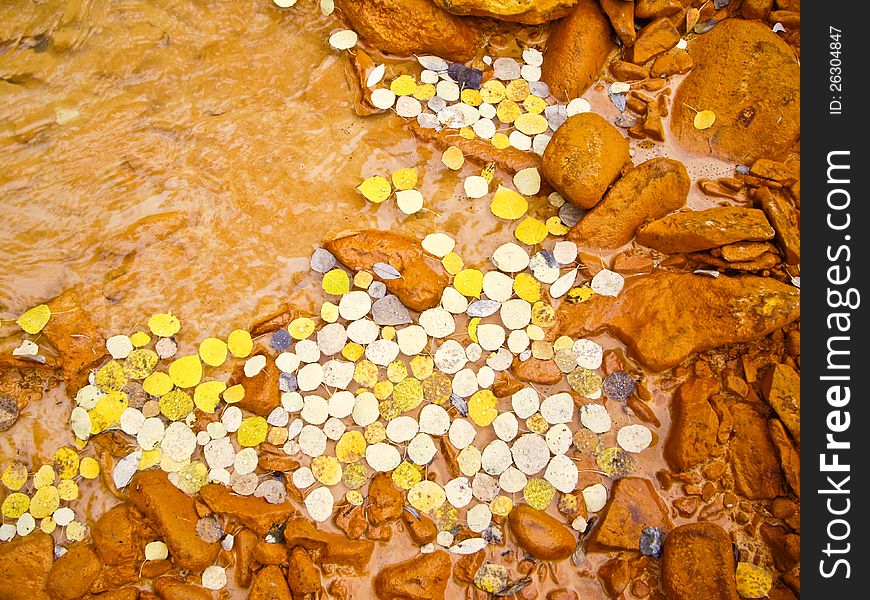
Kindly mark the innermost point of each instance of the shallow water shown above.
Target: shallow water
(189, 156)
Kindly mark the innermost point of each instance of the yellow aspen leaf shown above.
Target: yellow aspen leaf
(33, 320)
(531, 231)
(336, 282)
(469, 283)
(405, 179)
(508, 204)
(704, 119)
(375, 189)
(527, 287)
(453, 158)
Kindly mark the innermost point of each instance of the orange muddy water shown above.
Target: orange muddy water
(188, 156)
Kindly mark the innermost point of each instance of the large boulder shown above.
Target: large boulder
(698, 562)
(531, 12)
(694, 424)
(407, 27)
(695, 230)
(750, 78)
(539, 534)
(423, 279)
(651, 190)
(585, 156)
(633, 506)
(663, 317)
(576, 51)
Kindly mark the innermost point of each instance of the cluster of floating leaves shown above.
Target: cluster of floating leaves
(506, 104)
(377, 189)
(42, 500)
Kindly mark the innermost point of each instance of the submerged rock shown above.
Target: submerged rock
(531, 12)
(577, 48)
(633, 506)
(252, 512)
(698, 562)
(750, 78)
(694, 230)
(584, 157)
(694, 424)
(423, 279)
(423, 577)
(539, 534)
(75, 337)
(663, 317)
(407, 27)
(651, 190)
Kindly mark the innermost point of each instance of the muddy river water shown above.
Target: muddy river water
(188, 156)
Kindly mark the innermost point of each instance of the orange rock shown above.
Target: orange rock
(632, 506)
(621, 15)
(254, 513)
(537, 370)
(626, 71)
(302, 576)
(698, 562)
(478, 149)
(120, 535)
(675, 61)
(423, 577)
(616, 574)
(531, 12)
(751, 79)
(632, 262)
(385, 500)
(423, 279)
(784, 173)
(24, 566)
(784, 547)
(767, 260)
(123, 594)
(745, 251)
(351, 520)
(781, 387)
(694, 424)
(756, 9)
(539, 534)
(407, 27)
(786, 222)
(73, 573)
(651, 190)
(653, 9)
(585, 156)
(577, 48)
(331, 547)
(422, 530)
(789, 457)
(174, 516)
(244, 545)
(465, 569)
(694, 230)
(169, 588)
(562, 594)
(757, 471)
(75, 337)
(656, 37)
(663, 317)
(262, 395)
(270, 554)
(269, 584)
